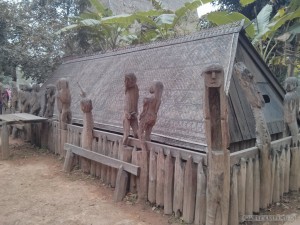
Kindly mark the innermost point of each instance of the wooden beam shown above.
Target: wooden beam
(108, 161)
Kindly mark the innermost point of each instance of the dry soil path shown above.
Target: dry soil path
(34, 191)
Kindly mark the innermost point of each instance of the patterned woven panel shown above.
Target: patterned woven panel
(178, 65)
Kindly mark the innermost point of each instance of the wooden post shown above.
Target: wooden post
(63, 139)
(168, 186)
(104, 167)
(276, 193)
(93, 163)
(160, 178)
(256, 185)
(99, 150)
(287, 169)
(133, 179)
(217, 136)
(178, 186)
(109, 169)
(234, 206)
(121, 185)
(294, 170)
(68, 164)
(5, 141)
(273, 172)
(189, 191)
(152, 177)
(282, 171)
(200, 208)
(263, 138)
(249, 188)
(242, 189)
(114, 171)
(45, 134)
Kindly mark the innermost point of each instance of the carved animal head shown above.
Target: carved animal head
(130, 81)
(248, 83)
(213, 75)
(86, 105)
(157, 88)
(290, 84)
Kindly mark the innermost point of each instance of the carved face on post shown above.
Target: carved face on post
(130, 81)
(290, 84)
(213, 75)
(50, 90)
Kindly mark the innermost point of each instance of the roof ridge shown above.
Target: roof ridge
(234, 27)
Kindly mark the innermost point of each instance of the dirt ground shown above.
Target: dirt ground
(35, 191)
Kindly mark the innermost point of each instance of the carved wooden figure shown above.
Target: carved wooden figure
(88, 126)
(150, 109)
(263, 139)
(24, 98)
(14, 97)
(35, 105)
(49, 101)
(64, 102)
(216, 123)
(291, 108)
(130, 107)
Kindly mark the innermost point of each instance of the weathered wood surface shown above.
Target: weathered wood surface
(287, 169)
(234, 198)
(249, 188)
(68, 164)
(189, 191)
(133, 179)
(200, 208)
(242, 189)
(256, 186)
(168, 185)
(178, 186)
(121, 184)
(160, 178)
(5, 141)
(294, 169)
(103, 159)
(152, 176)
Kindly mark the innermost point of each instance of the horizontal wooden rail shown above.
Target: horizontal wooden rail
(253, 151)
(103, 159)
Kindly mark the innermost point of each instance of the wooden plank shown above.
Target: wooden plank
(276, 193)
(103, 166)
(152, 176)
(133, 179)
(249, 188)
(168, 185)
(68, 164)
(235, 157)
(5, 141)
(121, 184)
(234, 129)
(99, 150)
(160, 178)
(273, 169)
(294, 169)
(114, 171)
(281, 172)
(287, 169)
(189, 191)
(234, 208)
(200, 208)
(93, 163)
(105, 160)
(178, 186)
(256, 185)
(242, 189)
(109, 169)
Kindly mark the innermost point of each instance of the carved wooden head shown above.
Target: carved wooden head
(62, 83)
(130, 80)
(213, 75)
(50, 90)
(86, 105)
(290, 84)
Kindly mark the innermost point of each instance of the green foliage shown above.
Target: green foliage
(246, 2)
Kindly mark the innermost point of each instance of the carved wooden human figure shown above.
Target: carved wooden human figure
(263, 139)
(63, 102)
(49, 101)
(24, 98)
(150, 109)
(130, 107)
(35, 105)
(291, 109)
(216, 123)
(88, 125)
(14, 97)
